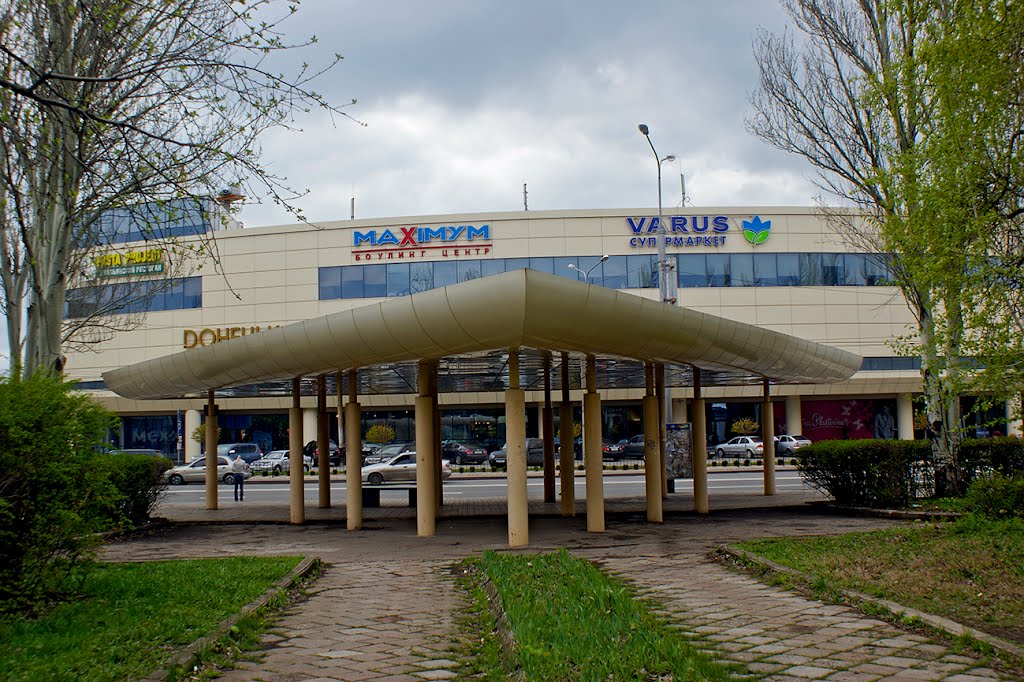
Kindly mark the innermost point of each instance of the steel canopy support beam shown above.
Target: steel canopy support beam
(651, 455)
(548, 419)
(323, 443)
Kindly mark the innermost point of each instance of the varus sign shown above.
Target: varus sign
(413, 237)
(445, 241)
(680, 230)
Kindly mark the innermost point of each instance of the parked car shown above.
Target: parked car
(195, 472)
(634, 447)
(787, 445)
(279, 461)
(389, 451)
(612, 451)
(333, 458)
(534, 454)
(740, 446)
(249, 452)
(139, 451)
(399, 468)
(463, 453)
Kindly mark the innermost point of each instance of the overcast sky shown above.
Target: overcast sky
(466, 100)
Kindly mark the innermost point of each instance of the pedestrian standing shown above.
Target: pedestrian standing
(238, 469)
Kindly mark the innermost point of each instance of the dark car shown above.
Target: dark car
(389, 451)
(634, 446)
(463, 453)
(249, 452)
(334, 456)
(534, 454)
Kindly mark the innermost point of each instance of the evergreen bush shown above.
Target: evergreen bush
(996, 496)
(139, 480)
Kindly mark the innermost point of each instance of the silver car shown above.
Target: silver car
(787, 445)
(195, 472)
(399, 468)
(279, 461)
(740, 446)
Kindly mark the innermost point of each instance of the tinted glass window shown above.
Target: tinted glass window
(330, 283)
(615, 272)
(765, 274)
(718, 269)
(516, 264)
(641, 272)
(375, 281)
(543, 265)
(468, 269)
(398, 279)
(788, 269)
(741, 270)
(692, 270)
(352, 282)
(421, 277)
(854, 269)
(445, 273)
(492, 267)
(810, 269)
(832, 269)
(560, 266)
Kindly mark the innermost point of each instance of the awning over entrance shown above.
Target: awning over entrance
(477, 322)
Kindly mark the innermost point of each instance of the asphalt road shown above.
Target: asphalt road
(618, 485)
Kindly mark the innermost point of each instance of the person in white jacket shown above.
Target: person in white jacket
(239, 468)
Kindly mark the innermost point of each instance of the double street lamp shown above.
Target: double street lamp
(586, 273)
(664, 267)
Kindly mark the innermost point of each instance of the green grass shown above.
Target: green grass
(971, 571)
(573, 622)
(130, 618)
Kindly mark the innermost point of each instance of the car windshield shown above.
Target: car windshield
(224, 449)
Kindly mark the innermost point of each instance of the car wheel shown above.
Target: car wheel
(750, 453)
(375, 478)
(229, 479)
(277, 468)
(458, 459)
(719, 452)
(176, 479)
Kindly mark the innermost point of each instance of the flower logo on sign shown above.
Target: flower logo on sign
(756, 231)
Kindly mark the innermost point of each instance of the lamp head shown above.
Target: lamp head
(644, 129)
(670, 158)
(573, 267)
(603, 258)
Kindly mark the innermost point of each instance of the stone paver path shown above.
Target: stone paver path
(388, 620)
(785, 636)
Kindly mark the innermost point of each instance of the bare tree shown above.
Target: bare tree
(867, 92)
(114, 103)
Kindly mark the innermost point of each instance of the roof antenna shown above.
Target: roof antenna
(353, 216)
(525, 206)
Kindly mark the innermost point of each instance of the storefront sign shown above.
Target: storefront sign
(686, 231)
(407, 243)
(212, 335)
(144, 262)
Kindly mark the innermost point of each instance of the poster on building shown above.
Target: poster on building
(678, 451)
(832, 419)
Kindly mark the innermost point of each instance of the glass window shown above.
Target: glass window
(641, 272)
(853, 269)
(468, 269)
(421, 277)
(592, 270)
(193, 292)
(330, 283)
(810, 269)
(741, 270)
(765, 274)
(832, 269)
(494, 266)
(352, 281)
(788, 265)
(692, 270)
(615, 272)
(375, 281)
(516, 264)
(398, 279)
(543, 265)
(445, 273)
(876, 269)
(718, 269)
(173, 297)
(561, 267)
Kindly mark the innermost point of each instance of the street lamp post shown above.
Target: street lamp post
(663, 264)
(586, 274)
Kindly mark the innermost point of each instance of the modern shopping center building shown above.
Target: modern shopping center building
(787, 270)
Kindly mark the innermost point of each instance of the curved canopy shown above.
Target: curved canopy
(521, 309)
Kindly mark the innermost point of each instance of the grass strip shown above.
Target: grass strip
(573, 622)
(970, 571)
(131, 617)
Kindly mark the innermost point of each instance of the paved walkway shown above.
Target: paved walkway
(384, 609)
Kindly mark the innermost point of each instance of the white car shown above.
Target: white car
(399, 468)
(787, 445)
(195, 472)
(740, 446)
(279, 461)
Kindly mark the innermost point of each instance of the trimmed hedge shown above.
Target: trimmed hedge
(981, 457)
(139, 480)
(997, 497)
(866, 473)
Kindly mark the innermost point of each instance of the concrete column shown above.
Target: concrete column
(699, 432)
(905, 416)
(1013, 421)
(593, 460)
(566, 460)
(296, 480)
(426, 509)
(652, 471)
(353, 456)
(768, 440)
(192, 421)
(308, 425)
(794, 418)
(211, 452)
(515, 431)
(436, 450)
(547, 426)
(323, 442)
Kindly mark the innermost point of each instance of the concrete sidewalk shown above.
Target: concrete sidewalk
(386, 607)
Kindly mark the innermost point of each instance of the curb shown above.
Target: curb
(186, 656)
(899, 514)
(950, 627)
